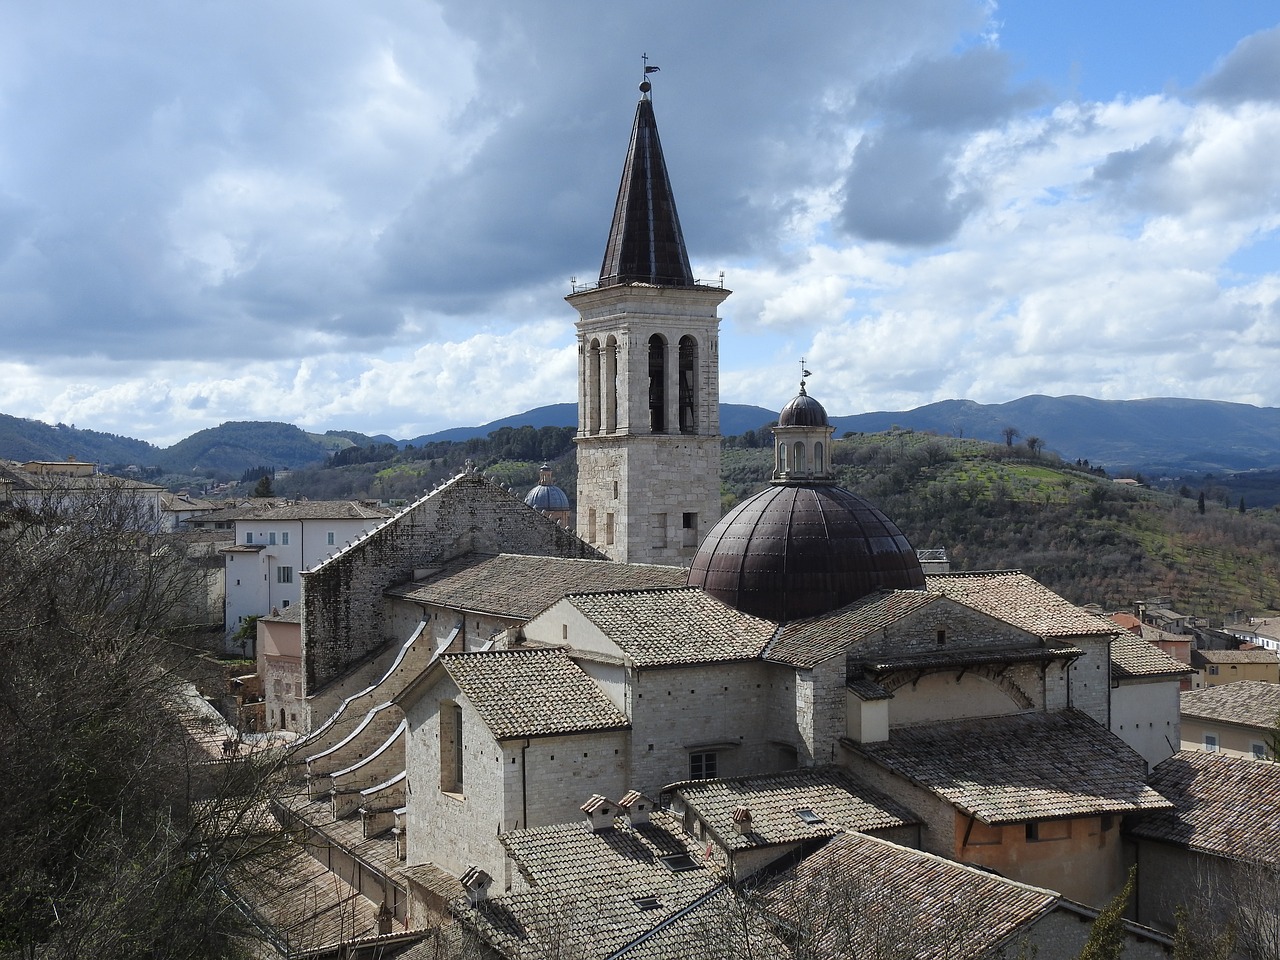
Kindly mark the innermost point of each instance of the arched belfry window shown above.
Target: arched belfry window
(593, 388)
(657, 384)
(688, 385)
(611, 385)
(799, 457)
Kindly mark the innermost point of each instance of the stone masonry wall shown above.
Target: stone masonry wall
(343, 611)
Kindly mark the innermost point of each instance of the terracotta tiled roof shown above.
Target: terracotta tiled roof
(1223, 805)
(832, 795)
(315, 510)
(660, 627)
(1234, 656)
(1033, 766)
(520, 587)
(806, 643)
(610, 889)
(1250, 703)
(532, 693)
(1019, 600)
(1127, 620)
(1134, 657)
(862, 896)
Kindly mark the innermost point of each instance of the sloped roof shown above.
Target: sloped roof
(1234, 656)
(518, 586)
(664, 627)
(1134, 657)
(1019, 600)
(646, 244)
(1033, 766)
(1249, 703)
(1226, 806)
(314, 510)
(806, 643)
(532, 693)
(860, 895)
(830, 793)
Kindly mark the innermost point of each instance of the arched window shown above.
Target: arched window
(657, 384)
(798, 466)
(818, 463)
(593, 388)
(688, 385)
(782, 457)
(611, 385)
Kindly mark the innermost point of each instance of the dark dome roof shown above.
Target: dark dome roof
(547, 497)
(796, 551)
(803, 411)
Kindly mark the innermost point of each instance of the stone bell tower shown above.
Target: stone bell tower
(648, 375)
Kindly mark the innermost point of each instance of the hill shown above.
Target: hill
(234, 447)
(32, 440)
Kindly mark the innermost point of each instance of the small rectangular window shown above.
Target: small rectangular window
(1213, 669)
(248, 537)
(1210, 743)
(809, 817)
(702, 766)
(608, 528)
(330, 538)
(284, 538)
(690, 523)
(271, 539)
(1259, 751)
(284, 574)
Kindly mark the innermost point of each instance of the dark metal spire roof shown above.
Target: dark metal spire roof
(645, 241)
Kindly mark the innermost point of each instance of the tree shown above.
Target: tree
(264, 488)
(1242, 510)
(1200, 502)
(1035, 444)
(1106, 938)
(117, 837)
(1010, 434)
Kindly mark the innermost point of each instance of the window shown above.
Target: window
(798, 457)
(457, 746)
(1210, 743)
(688, 385)
(271, 539)
(809, 817)
(284, 574)
(1213, 667)
(702, 766)
(450, 747)
(330, 538)
(615, 489)
(608, 528)
(1259, 751)
(942, 637)
(657, 384)
(648, 903)
(248, 537)
(819, 465)
(1042, 830)
(284, 538)
(690, 524)
(679, 862)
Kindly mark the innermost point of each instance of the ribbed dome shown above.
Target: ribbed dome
(803, 411)
(547, 497)
(798, 550)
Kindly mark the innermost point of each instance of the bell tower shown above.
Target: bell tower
(648, 375)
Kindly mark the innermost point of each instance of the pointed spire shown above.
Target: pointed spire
(645, 242)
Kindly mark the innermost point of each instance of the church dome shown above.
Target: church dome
(798, 550)
(547, 497)
(803, 411)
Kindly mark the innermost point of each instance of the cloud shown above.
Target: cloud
(1249, 72)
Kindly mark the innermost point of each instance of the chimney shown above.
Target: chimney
(742, 819)
(477, 883)
(600, 813)
(637, 806)
(385, 918)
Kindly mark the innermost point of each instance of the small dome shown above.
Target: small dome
(803, 411)
(799, 550)
(547, 497)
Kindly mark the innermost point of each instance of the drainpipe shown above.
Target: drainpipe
(524, 786)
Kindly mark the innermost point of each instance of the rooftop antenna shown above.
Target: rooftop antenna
(645, 85)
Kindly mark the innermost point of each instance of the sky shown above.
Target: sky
(365, 216)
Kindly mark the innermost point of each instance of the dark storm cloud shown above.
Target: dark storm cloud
(902, 185)
(1249, 72)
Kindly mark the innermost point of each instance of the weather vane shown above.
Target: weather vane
(645, 85)
(804, 373)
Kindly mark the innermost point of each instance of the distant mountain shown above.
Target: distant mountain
(32, 440)
(1162, 436)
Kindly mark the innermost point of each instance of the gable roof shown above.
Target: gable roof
(1133, 657)
(830, 793)
(1249, 703)
(859, 895)
(1226, 806)
(656, 628)
(806, 643)
(1033, 766)
(1019, 600)
(313, 510)
(532, 693)
(519, 586)
(1234, 656)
